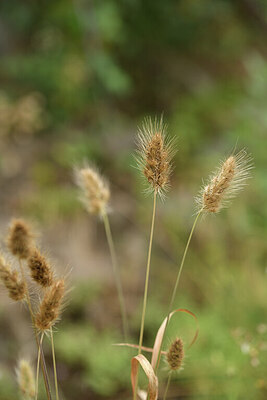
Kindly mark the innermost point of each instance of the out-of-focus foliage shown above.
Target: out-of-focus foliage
(76, 78)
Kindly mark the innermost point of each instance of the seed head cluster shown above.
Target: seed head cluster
(19, 239)
(95, 190)
(25, 378)
(16, 287)
(155, 154)
(225, 183)
(41, 271)
(175, 355)
(50, 306)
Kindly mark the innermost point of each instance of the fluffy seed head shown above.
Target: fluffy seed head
(41, 271)
(225, 183)
(50, 306)
(155, 154)
(16, 288)
(25, 378)
(175, 355)
(95, 190)
(19, 238)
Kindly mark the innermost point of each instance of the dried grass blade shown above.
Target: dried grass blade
(149, 371)
(135, 346)
(161, 331)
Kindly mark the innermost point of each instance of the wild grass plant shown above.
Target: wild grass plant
(154, 160)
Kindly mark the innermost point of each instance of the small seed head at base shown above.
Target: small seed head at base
(50, 307)
(95, 190)
(19, 238)
(41, 271)
(26, 379)
(155, 154)
(175, 355)
(16, 287)
(225, 184)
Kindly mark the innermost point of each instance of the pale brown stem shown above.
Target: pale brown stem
(116, 274)
(177, 283)
(146, 285)
(54, 363)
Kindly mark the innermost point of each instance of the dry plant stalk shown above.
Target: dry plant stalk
(16, 287)
(50, 307)
(95, 196)
(19, 239)
(154, 160)
(95, 190)
(41, 271)
(25, 379)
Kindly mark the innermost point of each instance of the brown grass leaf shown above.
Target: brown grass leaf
(149, 371)
(161, 331)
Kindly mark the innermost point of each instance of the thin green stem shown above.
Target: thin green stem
(39, 345)
(38, 368)
(146, 284)
(116, 273)
(177, 283)
(167, 386)
(54, 362)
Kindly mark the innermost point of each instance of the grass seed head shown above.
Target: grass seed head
(155, 154)
(16, 287)
(41, 271)
(50, 306)
(19, 238)
(175, 355)
(225, 183)
(95, 190)
(25, 378)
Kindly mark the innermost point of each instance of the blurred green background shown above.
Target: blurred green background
(76, 79)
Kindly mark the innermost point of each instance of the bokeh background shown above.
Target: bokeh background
(76, 79)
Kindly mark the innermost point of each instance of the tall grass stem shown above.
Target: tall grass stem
(116, 273)
(167, 386)
(54, 362)
(146, 284)
(177, 282)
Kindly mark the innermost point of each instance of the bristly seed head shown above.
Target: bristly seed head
(41, 271)
(26, 380)
(50, 306)
(19, 239)
(95, 190)
(16, 288)
(225, 183)
(155, 154)
(175, 355)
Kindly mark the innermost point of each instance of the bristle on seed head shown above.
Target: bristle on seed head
(50, 306)
(19, 238)
(155, 154)
(16, 287)
(95, 190)
(224, 185)
(41, 271)
(25, 379)
(175, 355)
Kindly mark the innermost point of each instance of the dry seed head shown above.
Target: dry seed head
(94, 188)
(16, 288)
(41, 271)
(175, 355)
(226, 183)
(50, 306)
(25, 378)
(19, 238)
(155, 154)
